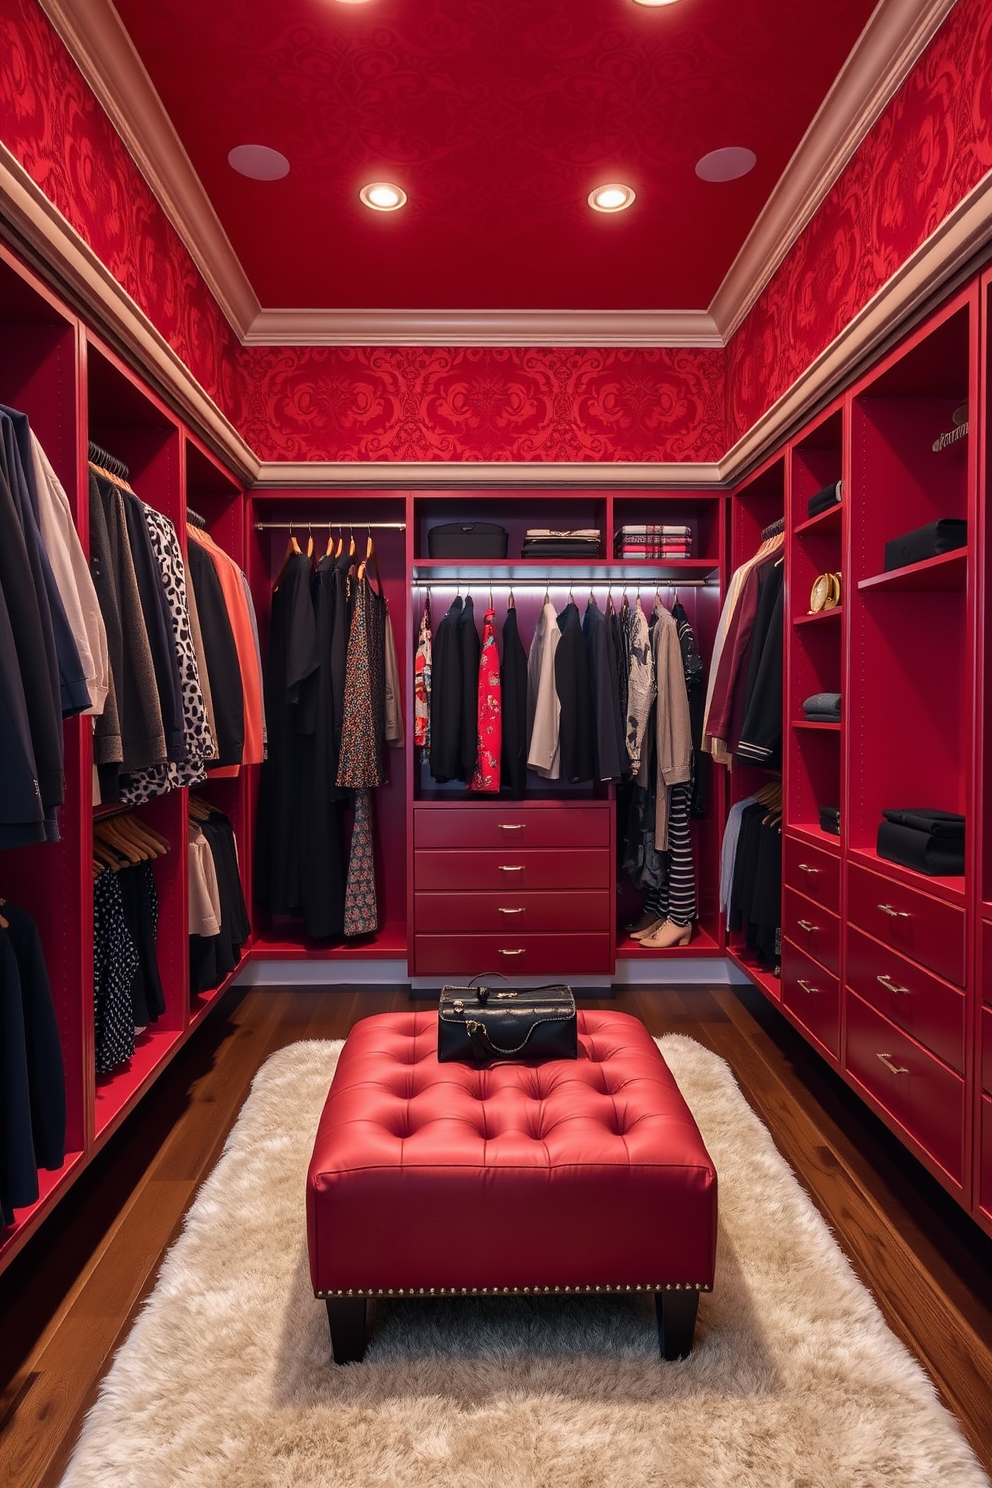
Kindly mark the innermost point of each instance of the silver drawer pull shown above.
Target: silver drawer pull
(518, 952)
(504, 910)
(805, 868)
(890, 985)
(511, 826)
(897, 1069)
(805, 925)
(511, 867)
(806, 986)
(894, 914)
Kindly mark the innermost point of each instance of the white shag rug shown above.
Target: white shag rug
(226, 1379)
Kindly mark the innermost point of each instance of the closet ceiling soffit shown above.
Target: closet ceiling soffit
(803, 97)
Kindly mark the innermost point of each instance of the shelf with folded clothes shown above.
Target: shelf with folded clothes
(953, 888)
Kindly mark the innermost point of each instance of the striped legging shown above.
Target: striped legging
(675, 899)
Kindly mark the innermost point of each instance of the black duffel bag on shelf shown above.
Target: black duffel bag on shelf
(479, 1024)
(468, 540)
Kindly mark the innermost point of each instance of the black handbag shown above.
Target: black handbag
(482, 1024)
(468, 540)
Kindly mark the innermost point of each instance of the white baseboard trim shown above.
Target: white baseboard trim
(345, 976)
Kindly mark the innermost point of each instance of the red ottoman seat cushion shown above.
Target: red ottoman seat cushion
(588, 1174)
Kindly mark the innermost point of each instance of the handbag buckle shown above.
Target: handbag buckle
(506, 994)
(458, 1006)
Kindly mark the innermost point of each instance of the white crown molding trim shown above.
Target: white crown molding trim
(925, 278)
(886, 51)
(38, 229)
(429, 474)
(630, 328)
(105, 55)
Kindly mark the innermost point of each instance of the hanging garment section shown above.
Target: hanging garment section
(751, 874)
(32, 1075)
(743, 712)
(333, 706)
(127, 984)
(218, 916)
(605, 696)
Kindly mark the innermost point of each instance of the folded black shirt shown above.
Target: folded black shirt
(919, 850)
(943, 824)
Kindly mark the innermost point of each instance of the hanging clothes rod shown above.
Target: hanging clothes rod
(619, 581)
(331, 522)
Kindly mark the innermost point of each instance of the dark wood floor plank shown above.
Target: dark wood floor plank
(69, 1298)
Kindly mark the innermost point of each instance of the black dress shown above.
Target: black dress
(572, 686)
(223, 666)
(513, 685)
(322, 821)
(446, 696)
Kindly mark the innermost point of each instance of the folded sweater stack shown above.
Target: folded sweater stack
(926, 840)
(822, 707)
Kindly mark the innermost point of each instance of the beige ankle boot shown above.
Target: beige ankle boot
(667, 934)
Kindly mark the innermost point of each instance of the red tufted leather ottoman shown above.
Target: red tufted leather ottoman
(585, 1175)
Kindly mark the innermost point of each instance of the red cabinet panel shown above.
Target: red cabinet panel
(511, 826)
(985, 1159)
(929, 930)
(813, 872)
(918, 1092)
(814, 928)
(516, 955)
(986, 1049)
(512, 912)
(812, 996)
(547, 868)
(987, 962)
(929, 1009)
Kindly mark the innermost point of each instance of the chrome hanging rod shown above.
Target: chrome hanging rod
(483, 581)
(331, 522)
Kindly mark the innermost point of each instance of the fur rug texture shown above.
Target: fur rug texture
(226, 1379)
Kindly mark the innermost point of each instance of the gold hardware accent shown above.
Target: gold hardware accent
(807, 926)
(518, 952)
(504, 910)
(890, 985)
(511, 867)
(894, 914)
(897, 1069)
(512, 826)
(507, 1291)
(806, 986)
(807, 869)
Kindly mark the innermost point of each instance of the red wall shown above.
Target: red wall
(932, 144)
(929, 148)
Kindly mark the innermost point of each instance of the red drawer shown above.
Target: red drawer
(511, 913)
(813, 872)
(919, 1093)
(987, 962)
(511, 826)
(814, 928)
(547, 868)
(929, 930)
(985, 1157)
(516, 955)
(932, 1011)
(812, 996)
(987, 1049)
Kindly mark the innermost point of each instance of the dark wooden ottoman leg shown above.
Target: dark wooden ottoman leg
(676, 1322)
(346, 1317)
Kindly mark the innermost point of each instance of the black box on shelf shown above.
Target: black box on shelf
(467, 540)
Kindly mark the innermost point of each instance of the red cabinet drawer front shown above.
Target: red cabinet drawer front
(515, 955)
(511, 826)
(812, 995)
(928, 930)
(511, 913)
(932, 1011)
(547, 868)
(987, 1049)
(921, 1095)
(813, 872)
(987, 962)
(814, 928)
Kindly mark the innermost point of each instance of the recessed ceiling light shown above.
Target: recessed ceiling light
(727, 164)
(654, 2)
(383, 196)
(258, 162)
(613, 197)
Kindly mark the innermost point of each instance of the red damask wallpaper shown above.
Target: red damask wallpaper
(329, 403)
(930, 147)
(52, 123)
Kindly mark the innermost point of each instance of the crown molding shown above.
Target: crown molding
(431, 474)
(104, 53)
(483, 328)
(949, 254)
(885, 53)
(50, 243)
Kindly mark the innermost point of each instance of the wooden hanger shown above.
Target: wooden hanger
(309, 541)
(292, 548)
(368, 554)
(4, 923)
(329, 550)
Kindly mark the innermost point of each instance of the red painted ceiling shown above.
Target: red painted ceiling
(497, 117)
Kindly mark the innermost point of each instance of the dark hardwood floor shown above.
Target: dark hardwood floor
(67, 1301)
